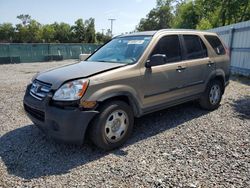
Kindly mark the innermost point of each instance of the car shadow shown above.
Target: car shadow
(28, 154)
(242, 107)
(241, 79)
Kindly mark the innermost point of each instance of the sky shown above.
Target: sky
(126, 12)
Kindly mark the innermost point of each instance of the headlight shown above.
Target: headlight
(71, 91)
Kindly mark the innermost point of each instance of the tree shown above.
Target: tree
(101, 38)
(109, 33)
(84, 31)
(204, 24)
(63, 32)
(7, 32)
(192, 14)
(90, 30)
(25, 18)
(158, 18)
(34, 32)
(21, 34)
(161, 3)
(79, 31)
(186, 16)
(222, 12)
(28, 33)
(48, 33)
(29, 30)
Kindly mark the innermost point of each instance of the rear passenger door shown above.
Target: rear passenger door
(221, 57)
(199, 64)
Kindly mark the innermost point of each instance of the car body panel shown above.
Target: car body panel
(58, 76)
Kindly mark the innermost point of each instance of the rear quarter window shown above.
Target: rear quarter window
(216, 44)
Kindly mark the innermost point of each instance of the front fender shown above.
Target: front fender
(118, 90)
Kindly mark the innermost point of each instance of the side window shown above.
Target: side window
(170, 46)
(195, 47)
(216, 44)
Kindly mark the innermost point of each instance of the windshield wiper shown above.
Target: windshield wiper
(105, 61)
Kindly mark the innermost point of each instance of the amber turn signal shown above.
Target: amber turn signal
(88, 104)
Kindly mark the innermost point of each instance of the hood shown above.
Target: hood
(58, 76)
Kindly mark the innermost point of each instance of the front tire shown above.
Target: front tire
(112, 127)
(212, 96)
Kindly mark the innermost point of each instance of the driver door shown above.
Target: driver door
(162, 83)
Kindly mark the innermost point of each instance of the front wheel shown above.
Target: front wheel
(112, 127)
(212, 96)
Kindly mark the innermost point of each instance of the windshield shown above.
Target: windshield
(125, 50)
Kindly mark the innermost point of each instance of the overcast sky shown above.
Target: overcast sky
(127, 12)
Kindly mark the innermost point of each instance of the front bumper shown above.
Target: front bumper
(67, 125)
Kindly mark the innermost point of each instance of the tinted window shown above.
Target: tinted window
(195, 47)
(215, 42)
(170, 46)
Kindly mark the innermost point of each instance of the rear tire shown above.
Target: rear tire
(212, 96)
(112, 127)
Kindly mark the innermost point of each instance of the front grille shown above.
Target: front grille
(38, 114)
(39, 90)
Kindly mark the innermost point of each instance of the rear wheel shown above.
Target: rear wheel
(212, 97)
(112, 127)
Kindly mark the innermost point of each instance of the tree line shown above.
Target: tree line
(31, 31)
(187, 14)
(195, 14)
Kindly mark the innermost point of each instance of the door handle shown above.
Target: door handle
(210, 63)
(180, 68)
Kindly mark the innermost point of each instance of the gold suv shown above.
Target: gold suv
(130, 76)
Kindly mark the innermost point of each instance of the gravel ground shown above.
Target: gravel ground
(179, 147)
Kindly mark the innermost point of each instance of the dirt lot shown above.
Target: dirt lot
(183, 146)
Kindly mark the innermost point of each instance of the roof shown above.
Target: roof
(151, 33)
(144, 33)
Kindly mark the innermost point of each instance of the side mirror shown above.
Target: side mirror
(155, 60)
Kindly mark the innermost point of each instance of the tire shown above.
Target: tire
(212, 96)
(113, 125)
